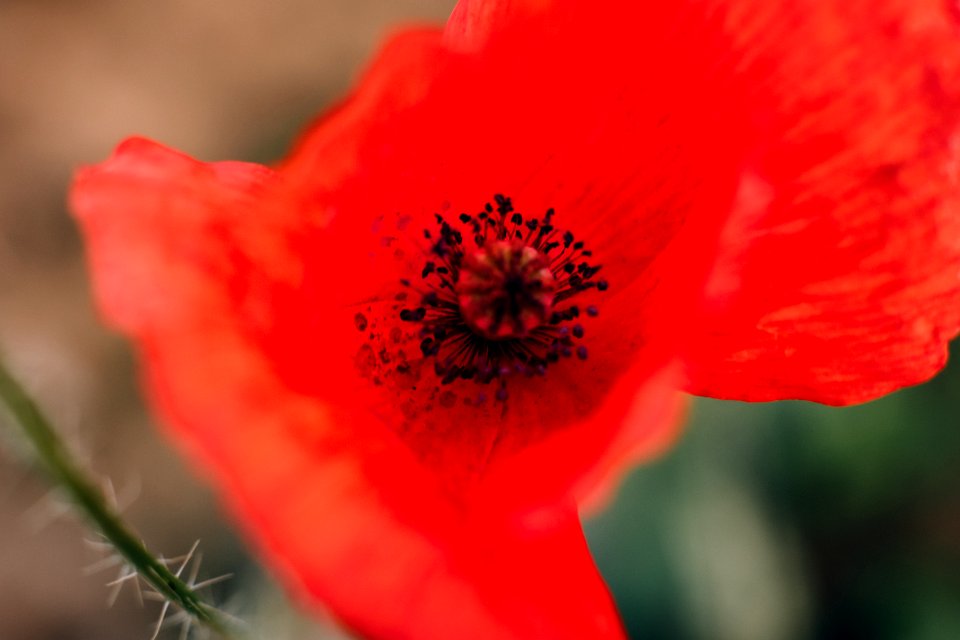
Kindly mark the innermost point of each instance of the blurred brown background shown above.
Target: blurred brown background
(767, 522)
(220, 79)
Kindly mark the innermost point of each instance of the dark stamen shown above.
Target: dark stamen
(498, 308)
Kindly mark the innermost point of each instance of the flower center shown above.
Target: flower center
(505, 290)
(496, 296)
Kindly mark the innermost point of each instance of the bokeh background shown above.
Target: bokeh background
(767, 522)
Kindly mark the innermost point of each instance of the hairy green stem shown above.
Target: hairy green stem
(58, 463)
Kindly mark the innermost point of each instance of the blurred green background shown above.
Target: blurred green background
(767, 522)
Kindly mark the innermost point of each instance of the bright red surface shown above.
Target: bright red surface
(770, 187)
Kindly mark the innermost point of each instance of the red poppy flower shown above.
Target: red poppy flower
(406, 385)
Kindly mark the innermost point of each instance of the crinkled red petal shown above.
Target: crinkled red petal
(473, 22)
(839, 278)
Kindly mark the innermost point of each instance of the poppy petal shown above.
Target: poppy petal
(181, 255)
(839, 278)
(473, 21)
